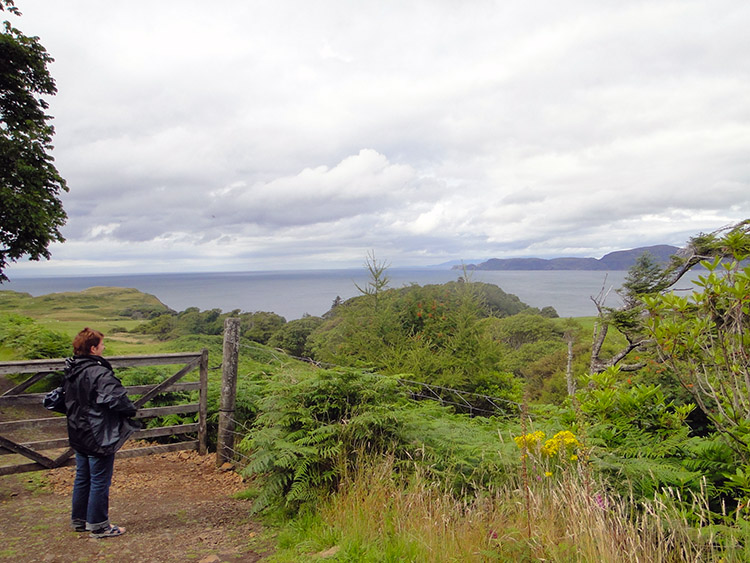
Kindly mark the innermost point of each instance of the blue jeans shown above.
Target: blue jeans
(91, 491)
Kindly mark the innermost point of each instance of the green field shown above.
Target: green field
(108, 309)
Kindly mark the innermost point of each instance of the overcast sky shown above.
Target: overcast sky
(249, 135)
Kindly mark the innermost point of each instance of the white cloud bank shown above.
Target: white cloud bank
(298, 134)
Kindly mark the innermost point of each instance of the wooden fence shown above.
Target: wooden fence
(16, 397)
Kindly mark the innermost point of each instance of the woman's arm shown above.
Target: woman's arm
(111, 394)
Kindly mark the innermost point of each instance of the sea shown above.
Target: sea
(295, 293)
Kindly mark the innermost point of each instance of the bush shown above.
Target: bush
(292, 337)
(310, 432)
(637, 437)
(161, 327)
(144, 311)
(30, 341)
(307, 429)
(257, 327)
(433, 333)
(260, 326)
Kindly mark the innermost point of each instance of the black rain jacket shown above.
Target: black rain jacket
(97, 406)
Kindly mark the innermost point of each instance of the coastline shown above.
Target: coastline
(294, 293)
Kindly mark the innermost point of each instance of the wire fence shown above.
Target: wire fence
(462, 401)
(418, 390)
(238, 437)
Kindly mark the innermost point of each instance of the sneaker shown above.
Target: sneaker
(111, 532)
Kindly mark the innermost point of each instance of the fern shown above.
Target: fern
(643, 476)
(305, 429)
(637, 437)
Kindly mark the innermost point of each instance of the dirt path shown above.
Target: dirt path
(176, 507)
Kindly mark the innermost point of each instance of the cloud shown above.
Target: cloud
(354, 186)
(259, 135)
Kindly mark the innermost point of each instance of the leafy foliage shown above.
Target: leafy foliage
(142, 311)
(635, 434)
(465, 456)
(705, 340)
(160, 327)
(256, 327)
(531, 347)
(31, 212)
(152, 375)
(259, 326)
(292, 337)
(311, 431)
(31, 341)
(646, 280)
(434, 333)
(643, 278)
(308, 428)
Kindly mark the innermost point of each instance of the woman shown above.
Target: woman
(97, 408)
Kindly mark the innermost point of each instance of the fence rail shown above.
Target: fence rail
(31, 449)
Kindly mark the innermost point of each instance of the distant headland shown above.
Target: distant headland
(619, 260)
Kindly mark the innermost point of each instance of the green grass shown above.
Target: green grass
(373, 517)
(570, 517)
(7, 354)
(101, 308)
(95, 304)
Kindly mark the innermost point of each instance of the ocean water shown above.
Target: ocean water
(293, 294)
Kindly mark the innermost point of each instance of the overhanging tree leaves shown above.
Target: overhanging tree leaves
(644, 279)
(31, 212)
(705, 340)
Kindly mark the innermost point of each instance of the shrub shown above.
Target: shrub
(311, 431)
(634, 435)
(292, 337)
(31, 341)
(260, 326)
(433, 333)
(704, 340)
(306, 429)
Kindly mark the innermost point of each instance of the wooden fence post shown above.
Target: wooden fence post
(203, 404)
(569, 370)
(225, 441)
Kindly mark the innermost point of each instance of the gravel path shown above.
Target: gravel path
(176, 507)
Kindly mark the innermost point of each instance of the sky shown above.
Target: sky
(242, 135)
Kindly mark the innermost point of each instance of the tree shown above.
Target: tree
(646, 279)
(260, 325)
(379, 280)
(292, 337)
(643, 277)
(705, 341)
(31, 212)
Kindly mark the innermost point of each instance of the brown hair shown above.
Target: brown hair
(84, 340)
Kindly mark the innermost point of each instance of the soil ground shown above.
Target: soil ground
(176, 507)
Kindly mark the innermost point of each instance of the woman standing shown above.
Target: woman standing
(97, 408)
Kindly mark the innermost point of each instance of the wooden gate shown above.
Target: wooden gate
(41, 368)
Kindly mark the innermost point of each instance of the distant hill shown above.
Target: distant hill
(453, 264)
(619, 260)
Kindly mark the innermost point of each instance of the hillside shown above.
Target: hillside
(618, 260)
(94, 303)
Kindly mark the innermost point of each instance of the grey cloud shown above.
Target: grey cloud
(275, 131)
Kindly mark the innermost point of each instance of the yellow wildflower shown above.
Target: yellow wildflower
(562, 441)
(529, 441)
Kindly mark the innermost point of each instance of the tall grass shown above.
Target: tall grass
(379, 514)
